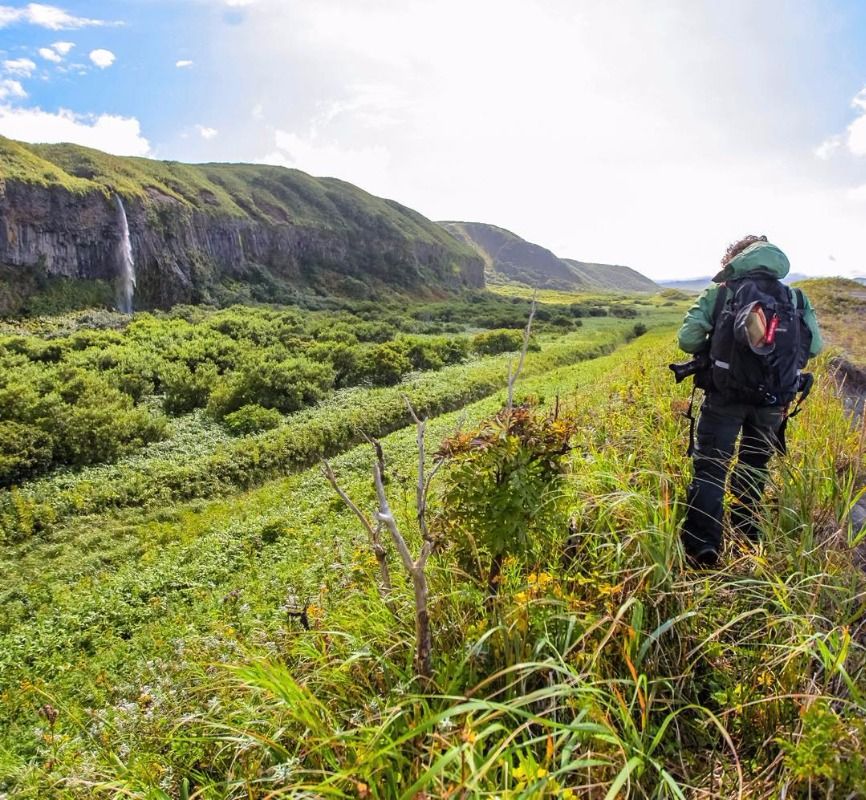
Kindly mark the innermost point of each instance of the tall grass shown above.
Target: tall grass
(615, 672)
(604, 669)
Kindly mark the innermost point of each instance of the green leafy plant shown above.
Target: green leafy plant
(501, 486)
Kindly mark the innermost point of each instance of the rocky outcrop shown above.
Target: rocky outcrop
(184, 251)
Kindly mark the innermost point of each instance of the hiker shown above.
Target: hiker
(752, 335)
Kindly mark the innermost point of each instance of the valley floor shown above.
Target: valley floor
(157, 652)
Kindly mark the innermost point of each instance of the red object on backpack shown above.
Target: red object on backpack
(771, 329)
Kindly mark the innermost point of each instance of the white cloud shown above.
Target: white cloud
(19, 66)
(854, 137)
(46, 16)
(102, 58)
(183, 63)
(617, 132)
(113, 134)
(829, 146)
(258, 111)
(858, 194)
(364, 166)
(205, 132)
(857, 129)
(239, 3)
(49, 54)
(63, 48)
(10, 88)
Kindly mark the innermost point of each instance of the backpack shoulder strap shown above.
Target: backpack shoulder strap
(721, 298)
(799, 300)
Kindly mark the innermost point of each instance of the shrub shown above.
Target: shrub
(252, 419)
(435, 352)
(25, 450)
(97, 422)
(500, 485)
(384, 364)
(500, 341)
(185, 388)
(67, 415)
(379, 332)
(286, 385)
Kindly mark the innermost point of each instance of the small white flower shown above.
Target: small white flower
(285, 770)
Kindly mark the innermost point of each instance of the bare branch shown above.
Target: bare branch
(372, 533)
(512, 378)
(386, 516)
(421, 488)
(415, 569)
(380, 453)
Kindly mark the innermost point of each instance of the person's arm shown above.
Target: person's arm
(812, 323)
(693, 336)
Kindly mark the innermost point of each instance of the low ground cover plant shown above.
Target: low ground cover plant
(243, 649)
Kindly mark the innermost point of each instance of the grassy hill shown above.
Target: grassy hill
(211, 231)
(507, 256)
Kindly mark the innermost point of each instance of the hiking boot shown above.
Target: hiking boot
(705, 558)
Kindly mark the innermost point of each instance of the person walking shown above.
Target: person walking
(754, 334)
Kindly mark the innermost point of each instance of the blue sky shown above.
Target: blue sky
(649, 134)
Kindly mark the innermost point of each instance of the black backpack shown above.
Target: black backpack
(766, 373)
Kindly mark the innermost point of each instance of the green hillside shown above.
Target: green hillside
(257, 192)
(216, 233)
(612, 277)
(509, 257)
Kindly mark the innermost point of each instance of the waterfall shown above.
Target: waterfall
(125, 263)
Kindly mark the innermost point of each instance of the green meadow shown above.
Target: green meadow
(190, 611)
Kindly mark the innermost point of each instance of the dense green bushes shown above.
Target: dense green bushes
(303, 438)
(501, 341)
(252, 418)
(285, 384)
(53, 414)
(281, 359)
(75, 397)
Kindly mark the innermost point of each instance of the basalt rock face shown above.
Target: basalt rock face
(196, 229)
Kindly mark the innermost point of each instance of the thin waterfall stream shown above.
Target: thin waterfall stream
(126, 263)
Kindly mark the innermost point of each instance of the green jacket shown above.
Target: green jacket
(762, 257)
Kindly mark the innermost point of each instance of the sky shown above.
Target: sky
(624, 131)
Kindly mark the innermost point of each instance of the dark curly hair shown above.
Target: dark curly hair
(737, 247)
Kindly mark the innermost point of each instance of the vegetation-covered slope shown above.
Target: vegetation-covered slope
(612, 277)
(841, 307)
(508, 256)
(236, 646)
(201, 232)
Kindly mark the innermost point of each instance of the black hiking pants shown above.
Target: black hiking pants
(719, 426)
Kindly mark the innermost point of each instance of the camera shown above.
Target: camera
(682, 371)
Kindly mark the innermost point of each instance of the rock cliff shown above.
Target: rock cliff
(200, 231)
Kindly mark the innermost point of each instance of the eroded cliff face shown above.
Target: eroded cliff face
(183, 253)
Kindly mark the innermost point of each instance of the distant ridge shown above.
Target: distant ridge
(701, 283)
(507, 256)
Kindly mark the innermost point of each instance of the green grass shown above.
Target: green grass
(840, 305)
(162, 636)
